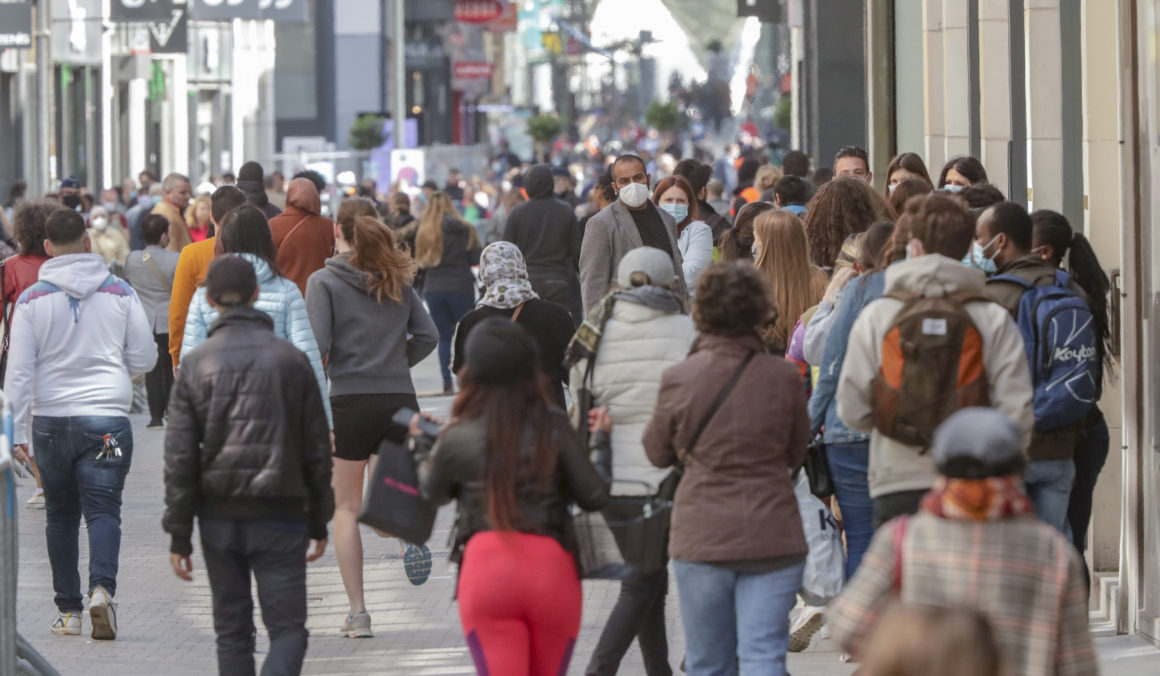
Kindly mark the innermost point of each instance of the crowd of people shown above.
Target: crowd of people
(932, 349)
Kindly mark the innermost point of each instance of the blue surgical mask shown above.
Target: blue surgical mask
(977, 258)
(678, 211)
(891, 187)
(951, 187)
(753, 250)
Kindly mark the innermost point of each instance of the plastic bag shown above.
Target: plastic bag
(826, 562)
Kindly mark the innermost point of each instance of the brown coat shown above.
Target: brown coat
(736, 500)
(304, 238)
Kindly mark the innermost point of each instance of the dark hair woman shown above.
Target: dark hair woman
(371, 328)
(737, 242)
(839, 209)
(902, 192)
(960, 172)
(905, 167)
(514, 464)
(694, 237)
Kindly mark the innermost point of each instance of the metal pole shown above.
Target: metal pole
(399, 64)
(43, 95)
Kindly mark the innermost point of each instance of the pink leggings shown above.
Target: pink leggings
(519, 602)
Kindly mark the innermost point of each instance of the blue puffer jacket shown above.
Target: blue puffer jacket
(823, 409)
(278, 297)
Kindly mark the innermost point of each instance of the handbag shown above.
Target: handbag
(630, 535)
(817, 468)
(393, 503)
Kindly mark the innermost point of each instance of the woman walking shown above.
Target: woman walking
(694, 238)
(783, 257)
(371, 328)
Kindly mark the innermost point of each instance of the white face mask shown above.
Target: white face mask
(634, 194)
(100, 222)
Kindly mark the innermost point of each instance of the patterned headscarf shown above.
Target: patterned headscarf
(504, 276)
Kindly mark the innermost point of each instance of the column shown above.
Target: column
(932, 46)
(995, 88)
(138, 99)
(1044, 103)
(880, 90)
(956, 59)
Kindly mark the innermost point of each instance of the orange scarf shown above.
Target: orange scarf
(977, 499)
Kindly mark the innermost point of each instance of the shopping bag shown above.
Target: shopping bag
(392, 503)
(826, 562)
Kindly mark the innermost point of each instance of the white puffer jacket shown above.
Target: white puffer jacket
(638, 344)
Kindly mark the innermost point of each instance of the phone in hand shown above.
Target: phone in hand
(404, 415)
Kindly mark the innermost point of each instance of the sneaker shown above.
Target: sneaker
(155, 423)
(807, 623)
(102, 615)
(417, 563)
(357, 625)
(67, 624)
(36, 501)
(448, 388)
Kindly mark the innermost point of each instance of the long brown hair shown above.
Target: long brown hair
(796, 285)
(911, 163)
(839, 209)
(687, 188)
(429, 237)
(375, 251)
(737, 241)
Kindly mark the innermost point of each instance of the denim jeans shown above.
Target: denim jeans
(446, 310)
(1048, 484)
(848, 466)
(275, 552)
(731, 616)
(75, 483)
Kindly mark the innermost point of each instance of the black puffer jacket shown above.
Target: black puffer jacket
(255, 192)
(247, 436)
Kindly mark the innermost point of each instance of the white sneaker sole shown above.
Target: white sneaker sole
(104, 623)
(801, 638)
(357, 633)
(67, 631)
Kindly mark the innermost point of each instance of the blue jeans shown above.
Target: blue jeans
(76, 483)
(446, 310)
(730, 616)
(849, 464)
(1048, 484)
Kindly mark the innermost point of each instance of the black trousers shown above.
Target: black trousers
(159, 381)
(1090, 455)
(888, 506)
(275, 551)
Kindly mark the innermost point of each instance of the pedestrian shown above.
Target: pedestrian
(135, 215)
(699, 176)
(632, 221)
(199, 218)
(981, 196)
(745, 192)
(400, 210)
(508, 293)
(937, 230)
(902, 192)
(548, 235)
(905, 167)
(176, 194)
(767, 177)
(853, 162)
(737, 541)
(192, 266)
(447, 246)
(715, 197)
(247, 452)
(737, 244)
(79, 335)
(955, 642)
(796, 163)
(796, 284)
(840, 208)
(251, 181)
(600, 196)
(961, 172)
(109, 240)
(977, 545)
(637, 332)
(513, 464)
(792, 193)
(303, 237)
(244, 231)
(371, 329)
(694, 237)
(151, 273)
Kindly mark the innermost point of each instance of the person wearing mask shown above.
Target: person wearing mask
(938, 230)
(70, 193)
(698, 175)
(251, 181)
(564, 186)
(548, 235)
(199, 218)
(371, 329)
(146, 179)
(737, 244)
(840, 208)
(904, 191)
(447, 247)
(135, 215)
(303, 236)
(629, 223)
(601, 196)
(151, 273)
(694, 237)
(192, 266)
(508, 293)
(247, 453)
(795, 283)
(176, 194)
(905, 167)
(854, 162)
(641, 331)
(975, 544)
(736, 582)
(792, 193)
(514, 465)
(961, 172)
(109, 241)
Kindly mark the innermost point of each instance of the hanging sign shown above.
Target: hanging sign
(15, 25)
(478, 11)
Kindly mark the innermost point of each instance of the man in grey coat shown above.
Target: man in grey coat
(150, 272)
(630, 222)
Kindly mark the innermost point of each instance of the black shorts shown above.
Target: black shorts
(362, 421)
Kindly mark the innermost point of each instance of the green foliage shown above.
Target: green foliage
(544, 128)
(783, 113)
(366, 132)
(665, 117)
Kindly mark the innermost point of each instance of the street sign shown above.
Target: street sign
(15, 25)
(172, 36)
(137, 11)
(225, 10)
(477, 11)
(472, 70)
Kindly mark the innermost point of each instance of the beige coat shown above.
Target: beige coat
(608, 236)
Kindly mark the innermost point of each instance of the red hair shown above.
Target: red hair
(682, 183)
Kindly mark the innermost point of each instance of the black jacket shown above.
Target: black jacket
(716, 222)
(247, 435)
(461, 249)
(545, 229)
(255, 192)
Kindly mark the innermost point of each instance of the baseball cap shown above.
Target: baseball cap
(976, 443)
(654, 263)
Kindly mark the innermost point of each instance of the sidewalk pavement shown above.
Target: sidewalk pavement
(166, 625)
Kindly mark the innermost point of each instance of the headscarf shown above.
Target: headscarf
(504, 276)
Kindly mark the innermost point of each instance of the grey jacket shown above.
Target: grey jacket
(153, 292)
(608, 236)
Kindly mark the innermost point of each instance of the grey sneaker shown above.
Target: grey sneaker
(102, 615)
(357, 626)
(809, 620)
(67, 624)
(36, 501)
(417, 563)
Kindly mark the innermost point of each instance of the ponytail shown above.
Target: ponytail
(375, 252)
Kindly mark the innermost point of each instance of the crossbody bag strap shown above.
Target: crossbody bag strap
(519, 309)
(157, 271)
(721, 397)
(295, 228)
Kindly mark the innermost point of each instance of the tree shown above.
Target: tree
(366, 132)
(783, 113)
(544, 128)
(664, 117)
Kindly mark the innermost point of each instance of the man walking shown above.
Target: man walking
(151, 272)
(176, 193)
(79, 335)
(248, 451)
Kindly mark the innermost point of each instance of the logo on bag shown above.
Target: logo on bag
(390, 482)
(1081, 354)
(825, 518)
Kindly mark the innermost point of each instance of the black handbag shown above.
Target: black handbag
(393, 503)
(817, 468)
(630, 535)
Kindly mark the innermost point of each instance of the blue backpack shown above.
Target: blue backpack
(1059, 337)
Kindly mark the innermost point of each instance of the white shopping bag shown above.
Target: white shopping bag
(826, 563)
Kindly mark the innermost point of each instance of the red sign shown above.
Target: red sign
(472, 70)
(477, 11)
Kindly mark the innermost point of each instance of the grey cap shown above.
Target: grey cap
(977, 443)
(654, 263)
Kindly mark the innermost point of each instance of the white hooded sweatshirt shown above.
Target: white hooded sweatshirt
(79, 335)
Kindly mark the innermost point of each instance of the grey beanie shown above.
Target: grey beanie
(654, 263)
(977, 443)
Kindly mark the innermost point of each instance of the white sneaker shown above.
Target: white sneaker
(805, 625)
(67, 624)
(36, 501)
(102, 615)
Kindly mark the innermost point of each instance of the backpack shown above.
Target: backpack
(1060, 340)
(932, 366)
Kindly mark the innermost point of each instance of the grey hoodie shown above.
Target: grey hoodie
(369, 346)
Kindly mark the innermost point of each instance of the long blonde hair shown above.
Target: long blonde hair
(784, 259)
(429, 238)
(375, 252)
(191, 210)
